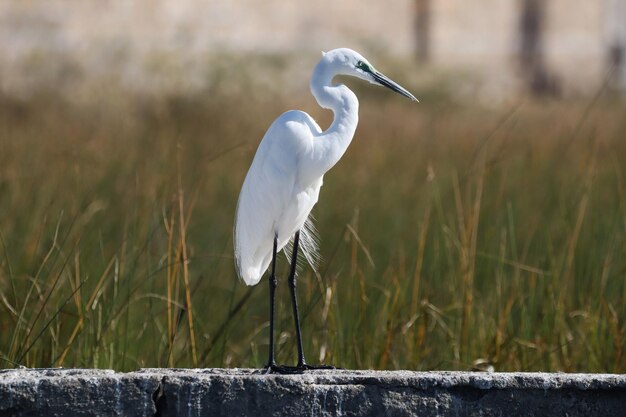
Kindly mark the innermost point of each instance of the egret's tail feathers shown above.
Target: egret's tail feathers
(251, 270)
(251, 276)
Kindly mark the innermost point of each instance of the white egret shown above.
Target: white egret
(285, 177)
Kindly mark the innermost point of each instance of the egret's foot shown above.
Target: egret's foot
(293, 370)
(307, 367)
(281, 369)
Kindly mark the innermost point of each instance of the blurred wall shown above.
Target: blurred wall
(577, 40)
(148, 43)
(244, 25)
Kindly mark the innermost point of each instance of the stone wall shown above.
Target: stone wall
(244, 392)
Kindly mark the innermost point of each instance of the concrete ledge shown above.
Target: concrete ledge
(243, 392)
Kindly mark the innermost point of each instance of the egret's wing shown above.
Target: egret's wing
(264, 195)
(274, 199)
(309, 238)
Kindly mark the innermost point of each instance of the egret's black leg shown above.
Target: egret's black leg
(302, 365)
(294, 299)
(271, 363)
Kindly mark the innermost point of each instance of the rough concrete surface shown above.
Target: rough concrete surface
(246, 392)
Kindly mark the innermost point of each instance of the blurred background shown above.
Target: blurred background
(483, 228)
(498, 48)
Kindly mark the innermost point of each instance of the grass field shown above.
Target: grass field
(453, 236)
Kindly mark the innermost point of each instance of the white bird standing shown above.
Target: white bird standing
(285, 178)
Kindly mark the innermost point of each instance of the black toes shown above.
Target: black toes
(317, 367)
(293, 370)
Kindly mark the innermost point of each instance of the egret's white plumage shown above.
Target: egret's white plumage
(286, 175)
(276, 198)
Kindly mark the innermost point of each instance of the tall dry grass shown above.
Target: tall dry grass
(453, 236)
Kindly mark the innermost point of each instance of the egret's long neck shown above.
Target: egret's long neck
(343, 102)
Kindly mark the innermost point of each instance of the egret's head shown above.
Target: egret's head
(349, 62)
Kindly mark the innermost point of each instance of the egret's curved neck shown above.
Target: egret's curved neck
(345, 106)
(338, 98)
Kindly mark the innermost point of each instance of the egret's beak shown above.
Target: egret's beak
(385, 81)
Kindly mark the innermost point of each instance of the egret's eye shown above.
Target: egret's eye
(363, 66)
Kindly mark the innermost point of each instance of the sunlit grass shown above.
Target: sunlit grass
(452, 236)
